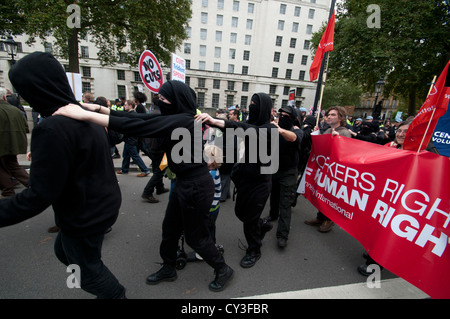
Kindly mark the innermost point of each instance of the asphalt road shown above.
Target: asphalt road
(313, 265)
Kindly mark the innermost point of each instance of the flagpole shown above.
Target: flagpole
(322, 66)
(321, 91)
(429, 122)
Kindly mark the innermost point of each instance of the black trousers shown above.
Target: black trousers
(251, 197)
(188, 212)
(85, 252)
(156, 181)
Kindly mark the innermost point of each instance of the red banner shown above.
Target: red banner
(326, 44)
(396, 203)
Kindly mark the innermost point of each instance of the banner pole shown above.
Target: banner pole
(319, 107)
(431, 118)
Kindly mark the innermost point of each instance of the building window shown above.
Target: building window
(205, 3)
(249, 24)
(288, 73)
(216, 67)
(251, 8)
(248, 39)
(233, 37)
(276, 56)
(215, 100)
(220, 4)
(204, 18)
(86, 87)
(230, 68)
(234, 22)
(218, 36)
(282, 9)
(84, 52)
(188, 64)
(297, 12)
(245, 86)
(201, 99)
(301, 76)
(48, 47)
(244, 101)
(188, 32)
(230, 85)
(306, 45)
(203, 33)
(202, 50)
(121, 91)
(295, 27)
(279, 41)
(219, 20)
(230, 100)
(293, 43)
(232, 54)
(280, 25)
(286, 90)
(201, 82)
(86, 71)
(187, 48)
(216, 84)
(235, 5)
(272, 89)
(244, 70)
(120, 75)
(274, 72)
(217, 52)
(309, 29)
(311, 13)
(137, 76)
(201, 65)
(304, 59)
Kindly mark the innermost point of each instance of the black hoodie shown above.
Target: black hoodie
(71, 167)
(258, 118)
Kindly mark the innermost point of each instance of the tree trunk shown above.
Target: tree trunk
(412, 101)
(74, 64)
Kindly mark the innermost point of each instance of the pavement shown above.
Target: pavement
(313, 265)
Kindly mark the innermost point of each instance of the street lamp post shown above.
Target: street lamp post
(376, 112)
(11, 48)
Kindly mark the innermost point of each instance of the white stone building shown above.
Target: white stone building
(235, 48)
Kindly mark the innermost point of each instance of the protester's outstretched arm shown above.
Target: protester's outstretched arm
(209, 120)
(76, 112)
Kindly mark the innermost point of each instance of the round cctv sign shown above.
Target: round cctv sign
(150, 71)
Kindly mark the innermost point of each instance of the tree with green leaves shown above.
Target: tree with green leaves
(120, 29)
(407, 49)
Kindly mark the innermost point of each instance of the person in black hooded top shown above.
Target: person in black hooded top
(71, 170)
(193, 192)
(253, 188)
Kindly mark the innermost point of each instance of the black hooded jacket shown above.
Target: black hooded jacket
(71, 167)
(175, 121)
(259, 118)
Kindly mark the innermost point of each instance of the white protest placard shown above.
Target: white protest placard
(178, 68)
(75, 84)
(150, 71)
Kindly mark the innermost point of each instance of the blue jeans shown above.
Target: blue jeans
(130, 151)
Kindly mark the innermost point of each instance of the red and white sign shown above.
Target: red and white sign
(150, 71)
(396, 203)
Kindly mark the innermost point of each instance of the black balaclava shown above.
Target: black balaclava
(310, 120)
(287, 122)
(180, 95)
(41, 80)
(259, 113)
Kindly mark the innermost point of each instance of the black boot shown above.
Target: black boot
(222, 277)
(166, 273)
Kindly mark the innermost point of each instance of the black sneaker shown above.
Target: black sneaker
(222, 278)
(166, 273)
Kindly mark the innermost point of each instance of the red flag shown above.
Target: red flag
(326, 44)
(422, 127)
